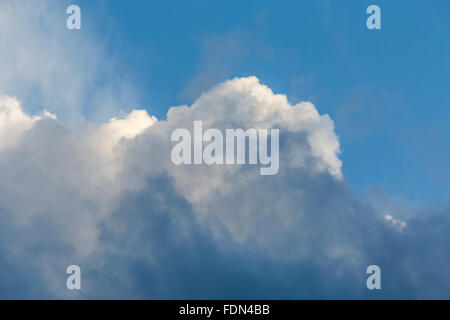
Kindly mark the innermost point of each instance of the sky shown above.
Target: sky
(387, 90)
(85, 123)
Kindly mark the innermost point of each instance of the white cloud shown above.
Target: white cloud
(310, 145)
(61, 173)
(13, 121)
(98, 163)
(74, 176)
(396, 223)
(93, 193)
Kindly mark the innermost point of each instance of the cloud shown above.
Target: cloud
(13, 121)
(396, 223)
(76, 177)
(108, 198)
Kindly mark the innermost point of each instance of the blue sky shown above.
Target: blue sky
(86, 171)
(387, 90)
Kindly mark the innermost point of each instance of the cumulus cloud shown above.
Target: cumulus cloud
(77, 178)
(108, 197)
(99, 162)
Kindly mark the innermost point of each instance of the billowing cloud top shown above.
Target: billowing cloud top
(90, 167)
